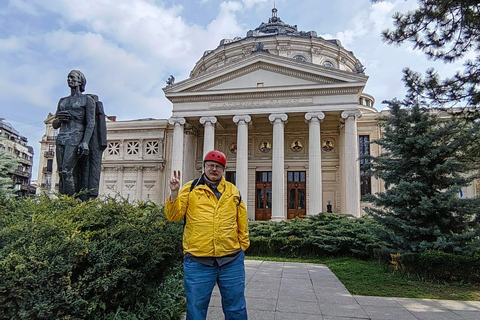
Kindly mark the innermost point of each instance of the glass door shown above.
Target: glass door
(296, 192)
(263, 195)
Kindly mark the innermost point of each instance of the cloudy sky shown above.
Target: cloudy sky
(128, 48)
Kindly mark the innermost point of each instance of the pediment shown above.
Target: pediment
(265, 72)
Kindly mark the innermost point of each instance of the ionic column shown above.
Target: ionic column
(352, 165)
(177, 146)
(315, 195)
(190, 154)
(209, 134)
(278, 166)
(242, 155)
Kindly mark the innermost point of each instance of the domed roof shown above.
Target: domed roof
(279, 38)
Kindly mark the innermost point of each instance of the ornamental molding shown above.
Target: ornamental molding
(177, 120)
(314, 115)
(245, 118)
(112, 169)
(150, 169)
(149, 184)
(204, 120)
(278, 116)
(262, 66)
(267, 95)
(260, 103)
(351, 114)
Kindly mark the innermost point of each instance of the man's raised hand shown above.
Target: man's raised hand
(175, 181)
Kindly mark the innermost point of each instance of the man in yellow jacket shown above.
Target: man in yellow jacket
(214, 239)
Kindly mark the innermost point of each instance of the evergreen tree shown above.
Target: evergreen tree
(427, 157)
(445, 30)
(8, 164)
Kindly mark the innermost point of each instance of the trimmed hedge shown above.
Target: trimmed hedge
(325, 234)
(441, 266)
(67, 259)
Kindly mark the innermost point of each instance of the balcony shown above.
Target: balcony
(22, 173)
(51, 138)
(45, 185)
(47, 170)
(49, 154)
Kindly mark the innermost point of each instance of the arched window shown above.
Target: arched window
(300, 58)
(328, 64)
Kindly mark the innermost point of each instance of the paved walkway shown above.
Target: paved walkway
(304, 291)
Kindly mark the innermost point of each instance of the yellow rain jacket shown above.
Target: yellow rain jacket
(214, 227)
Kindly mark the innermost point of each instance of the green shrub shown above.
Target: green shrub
(440, 266)
(67, 259)
(323, 234)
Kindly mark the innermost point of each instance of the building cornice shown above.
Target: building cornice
(268, 94)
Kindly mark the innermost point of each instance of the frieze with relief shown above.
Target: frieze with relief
(270, 102)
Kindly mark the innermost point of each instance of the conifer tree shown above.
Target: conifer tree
(8, 164)
(428, 156)
(447, 31)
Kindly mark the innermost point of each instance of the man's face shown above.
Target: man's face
(73, 80)
(213, 170)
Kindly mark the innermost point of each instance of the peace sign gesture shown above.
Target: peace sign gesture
(175, 181)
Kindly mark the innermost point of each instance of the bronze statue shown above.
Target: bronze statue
(81, 139)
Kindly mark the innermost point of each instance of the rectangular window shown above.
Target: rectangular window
(365, 179)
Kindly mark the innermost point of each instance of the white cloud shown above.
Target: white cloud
(23, 6)
(225, 24)
(381, 15)
(11, 44)
(251, 3)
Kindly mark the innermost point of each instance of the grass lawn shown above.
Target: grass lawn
(370, 278)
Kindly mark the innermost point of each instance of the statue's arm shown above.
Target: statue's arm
(57, 122)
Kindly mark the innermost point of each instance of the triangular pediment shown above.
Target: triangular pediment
(265, 72)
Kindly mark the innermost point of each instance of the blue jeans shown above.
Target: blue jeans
(200, 279)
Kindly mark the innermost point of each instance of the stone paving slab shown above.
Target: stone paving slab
(305, 291)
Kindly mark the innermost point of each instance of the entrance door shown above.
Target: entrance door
(263, 195)
(296, 186)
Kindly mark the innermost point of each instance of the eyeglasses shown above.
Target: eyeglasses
(212, 165)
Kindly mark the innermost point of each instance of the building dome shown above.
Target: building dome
(282, 39)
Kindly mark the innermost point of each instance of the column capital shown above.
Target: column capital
(278, 116)
(245, 118)
(351, 113)
(175, 120)
(204, 120)
(314, 115)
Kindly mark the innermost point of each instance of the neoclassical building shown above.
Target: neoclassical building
(287, 108)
